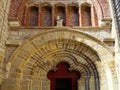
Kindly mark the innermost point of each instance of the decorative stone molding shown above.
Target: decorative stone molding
(46, 4)
(59, 4)
(42, 52)
(14, 23)
(73, 4)
(106, 22)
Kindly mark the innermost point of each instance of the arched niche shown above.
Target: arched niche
(32, 19)
(73, 15)
(86, 15)
(46, 15)
(60, 11)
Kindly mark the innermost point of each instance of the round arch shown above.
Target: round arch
(44, 51)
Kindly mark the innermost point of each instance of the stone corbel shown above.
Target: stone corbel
(14, 23)
(106, 22)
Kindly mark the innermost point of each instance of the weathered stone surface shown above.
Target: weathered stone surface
(28, 53)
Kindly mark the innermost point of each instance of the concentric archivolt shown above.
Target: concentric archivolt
(43, 52)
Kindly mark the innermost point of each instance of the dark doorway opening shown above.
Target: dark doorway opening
(62, 78)
(63, 84)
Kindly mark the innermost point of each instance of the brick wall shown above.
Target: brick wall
(105, 8)
(17, 7)
(13, 12)
(46, 16)
(86, 15)
(73, 16)
(33, 16)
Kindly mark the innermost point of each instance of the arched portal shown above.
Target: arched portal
(33, 60)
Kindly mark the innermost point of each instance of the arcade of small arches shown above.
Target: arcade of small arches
(72, 14)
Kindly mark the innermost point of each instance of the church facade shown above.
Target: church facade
(59, 45)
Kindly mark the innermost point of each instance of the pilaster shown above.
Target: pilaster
(92, 16)
(39, 16)
(26, 16)
(53, 15)
(80, 20)
(66, 9)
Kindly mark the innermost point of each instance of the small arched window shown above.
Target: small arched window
(33, 16)
(86, 15)
(73, 16)
(46, 16)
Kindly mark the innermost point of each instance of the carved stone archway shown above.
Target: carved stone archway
(40, 54)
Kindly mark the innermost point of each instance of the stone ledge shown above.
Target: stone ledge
(110, 42)
(106, 22)
(14, 23)
(109, 39)
(14, 28)
(14, 43)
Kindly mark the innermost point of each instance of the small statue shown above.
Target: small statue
(59, 21)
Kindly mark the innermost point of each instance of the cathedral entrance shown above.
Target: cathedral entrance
(59, 60)
(62, 78)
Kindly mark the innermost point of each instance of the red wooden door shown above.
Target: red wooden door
(63, 79)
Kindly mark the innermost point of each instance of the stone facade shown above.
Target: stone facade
(4, 7)
(31, 45)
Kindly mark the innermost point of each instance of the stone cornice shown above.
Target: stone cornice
(63, 27)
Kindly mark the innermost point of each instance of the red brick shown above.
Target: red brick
(73, 16)
(46, 16)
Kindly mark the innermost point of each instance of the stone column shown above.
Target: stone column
(81, 83)
(30, 85)
(92, 83)
(66, 10)
(117, 64)
(39, 16)
(92, 16)
(35, 84)
(115, 80)
(40, 85)
(80, 16)
(26, 16)
(10, 84)
(2, 56)
(45, 84)
(53, 15)
(87, 83)
(24, 85)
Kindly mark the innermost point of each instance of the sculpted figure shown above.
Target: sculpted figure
(59, 21)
